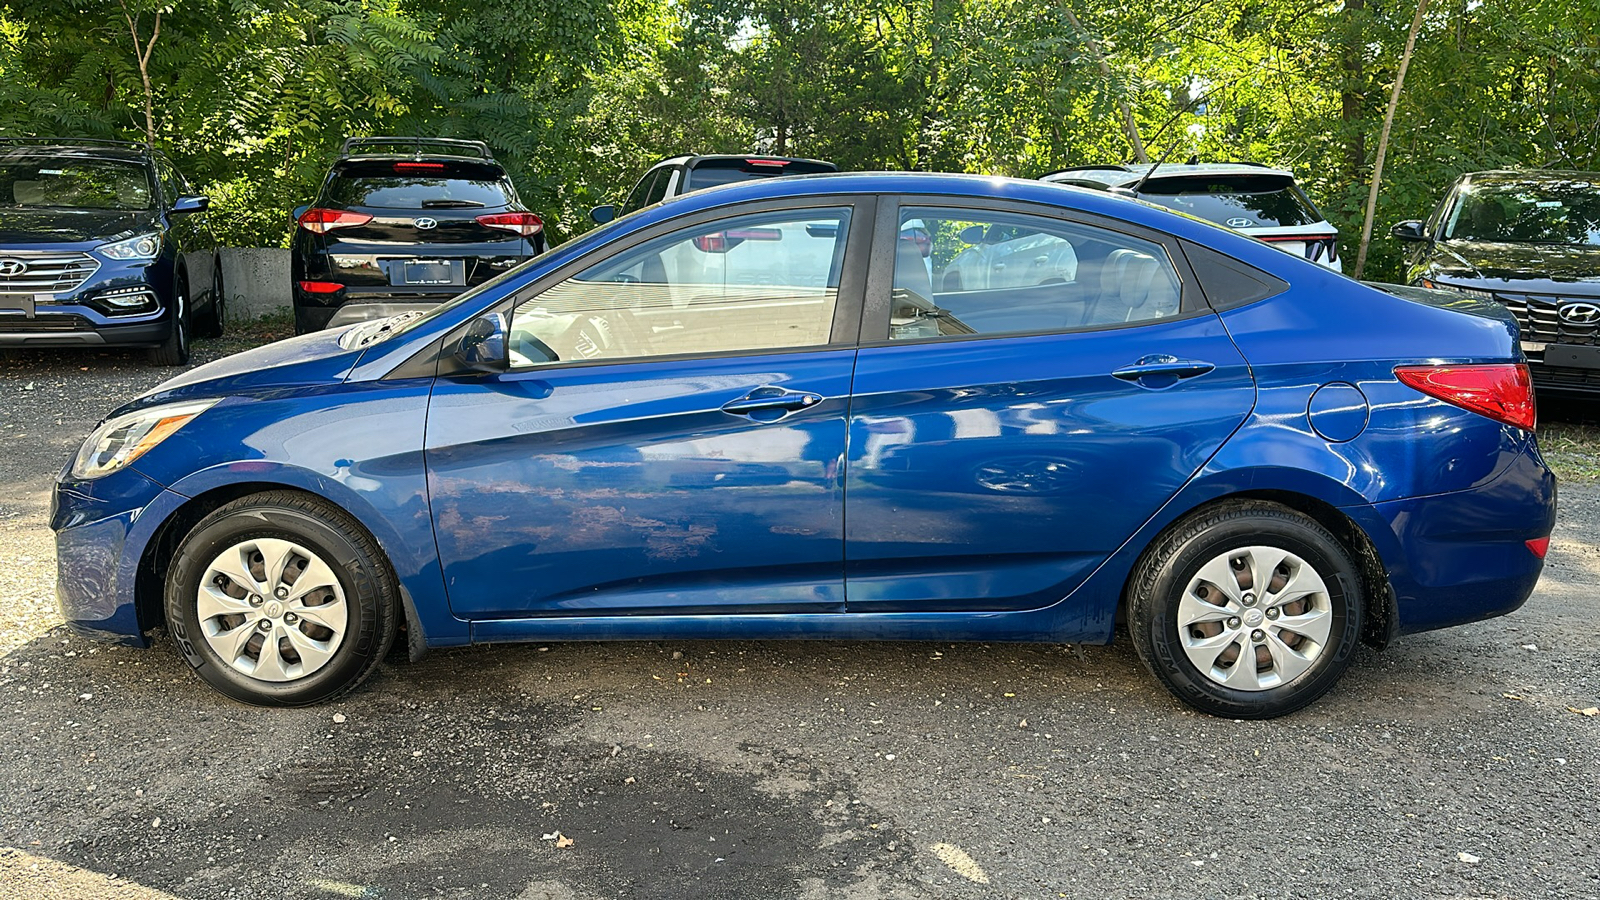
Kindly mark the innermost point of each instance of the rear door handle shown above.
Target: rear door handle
(1163, 365)
(764, 399)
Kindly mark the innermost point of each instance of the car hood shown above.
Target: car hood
(309, 359)
(70, 226)
(1558, 263)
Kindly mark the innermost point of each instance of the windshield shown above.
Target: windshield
(74, 184)
(1237, 202)
(1548, 212)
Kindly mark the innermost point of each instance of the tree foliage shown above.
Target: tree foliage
(254, 96)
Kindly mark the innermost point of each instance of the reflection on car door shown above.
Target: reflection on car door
(658, 446)
(1003, 443)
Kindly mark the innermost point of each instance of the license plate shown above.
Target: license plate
(18, 303)
(431, 272)
(1571, 355)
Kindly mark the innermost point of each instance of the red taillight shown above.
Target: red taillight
(321, 287)
(418, 167)
(779, 163)
(525, 224)
(1280, 238)
(322, 221)
(1539, 546)
(1503, 392)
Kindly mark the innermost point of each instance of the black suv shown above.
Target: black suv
(1530, 241)
(403, 223)
(682, 174)
(103, 243)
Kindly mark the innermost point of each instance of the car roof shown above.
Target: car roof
(1122, 175)
(11, 150)
(1528, 176)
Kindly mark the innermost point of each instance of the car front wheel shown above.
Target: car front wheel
(1248, 610)
(281, 599)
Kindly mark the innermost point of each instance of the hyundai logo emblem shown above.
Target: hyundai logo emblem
(1240, 222)
(1572, 313)
(425, 223)
(11, 268)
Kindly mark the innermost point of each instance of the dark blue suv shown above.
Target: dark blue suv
(103, 243)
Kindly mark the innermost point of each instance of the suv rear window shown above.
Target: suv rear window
(406, 184)
(713, 172)
(1239, 201)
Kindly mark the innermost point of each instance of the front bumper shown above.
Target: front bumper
(102, 529)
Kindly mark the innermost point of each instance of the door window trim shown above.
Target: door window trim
(847, 309)
(880, 278)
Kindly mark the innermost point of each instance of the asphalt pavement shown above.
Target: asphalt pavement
(1457, 764)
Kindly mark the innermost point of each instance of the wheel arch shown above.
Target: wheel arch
(149, 607)
(1381, 618)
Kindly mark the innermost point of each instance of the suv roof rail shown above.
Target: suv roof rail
(419, 146)
(87, 142)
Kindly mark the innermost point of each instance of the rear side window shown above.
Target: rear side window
(1235, 201)
(408, 185)
(713, 172)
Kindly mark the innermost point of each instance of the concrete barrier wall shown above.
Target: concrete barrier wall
(256, 280)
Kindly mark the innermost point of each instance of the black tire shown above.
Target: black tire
(174, 351)
(213, 322)
(1162, 580)
(370, 595)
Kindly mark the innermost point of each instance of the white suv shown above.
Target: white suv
(1262, 202)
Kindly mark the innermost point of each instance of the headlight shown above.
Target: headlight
(1470, 292)
(145, 246)
(120, 441)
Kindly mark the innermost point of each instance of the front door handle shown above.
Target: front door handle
(1163, 367)
(771, 399)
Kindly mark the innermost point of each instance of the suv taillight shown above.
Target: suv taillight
(1503, 391)
(525, 224)
(322, 221)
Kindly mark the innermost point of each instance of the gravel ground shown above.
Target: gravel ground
(1454, 765)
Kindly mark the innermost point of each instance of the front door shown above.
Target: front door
(1004, 441)
(670, 436)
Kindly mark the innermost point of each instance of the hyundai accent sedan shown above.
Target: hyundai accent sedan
(756, 412)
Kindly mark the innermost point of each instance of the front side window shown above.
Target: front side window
(767, 281)
(74, 184)
(962, 272)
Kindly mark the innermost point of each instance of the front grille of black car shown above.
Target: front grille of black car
(44, 272)
(1557, 377)
(1538, 317)
(51, 323)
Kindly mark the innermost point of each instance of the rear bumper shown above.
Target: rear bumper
(1463, 556)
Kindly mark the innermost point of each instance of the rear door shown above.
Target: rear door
(1003, 442)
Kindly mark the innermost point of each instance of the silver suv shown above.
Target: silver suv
(1262, 202)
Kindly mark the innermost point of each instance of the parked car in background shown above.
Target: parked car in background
(104, 244)
(1262, 202)
(802, 435)
(1530, 241)
(403, 223)
(682, 174)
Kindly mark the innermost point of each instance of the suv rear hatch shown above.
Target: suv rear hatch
(427, 225)
(1268, 206)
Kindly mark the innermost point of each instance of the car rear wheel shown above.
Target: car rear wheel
(281, 599)
(1248, 610)
(174, 351)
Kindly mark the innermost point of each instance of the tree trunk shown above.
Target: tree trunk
(1130, 125)
(143, 57)
(1351, 95)
(1383, 138)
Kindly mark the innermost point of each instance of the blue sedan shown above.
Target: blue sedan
(763, 411)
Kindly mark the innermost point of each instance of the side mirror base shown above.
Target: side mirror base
(603, 214)
(1413, 231)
